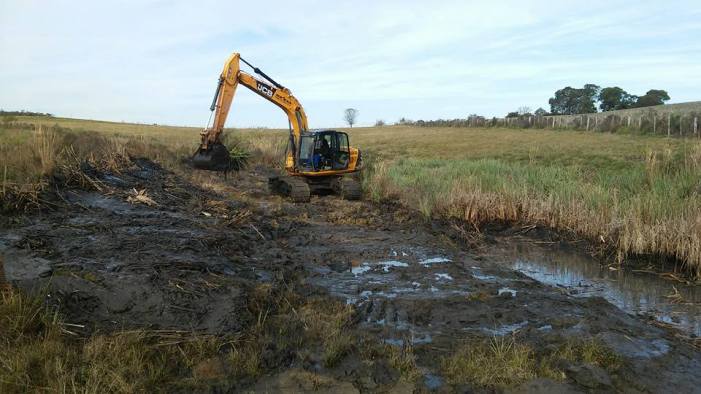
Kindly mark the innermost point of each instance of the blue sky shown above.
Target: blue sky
(158, 61)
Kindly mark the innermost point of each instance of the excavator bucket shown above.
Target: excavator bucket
(215, 158)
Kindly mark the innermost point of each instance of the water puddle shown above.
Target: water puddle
(637, 293)
(434, 260)
(386, 265)
(505, 290)
(433, 382)
(411, 341)
(361, 269)
(505, 329)
(442, 276)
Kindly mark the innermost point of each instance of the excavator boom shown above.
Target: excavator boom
(212, 154)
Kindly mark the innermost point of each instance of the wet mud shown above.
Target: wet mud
(157, 250)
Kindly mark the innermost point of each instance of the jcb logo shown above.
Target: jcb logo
(265, 89)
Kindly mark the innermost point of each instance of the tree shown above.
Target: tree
(540, 112)
(350, 115)
(379, 123)
(652, 97)
(616, 98)
(570, 101)
(512, 114)
(524, 111)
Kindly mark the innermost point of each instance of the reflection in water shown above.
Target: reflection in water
(630, 291)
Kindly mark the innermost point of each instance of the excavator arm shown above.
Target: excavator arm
(212, 154)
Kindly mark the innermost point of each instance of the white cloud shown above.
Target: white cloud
(157, 61)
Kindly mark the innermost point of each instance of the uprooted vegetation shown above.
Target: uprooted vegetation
(37, 161)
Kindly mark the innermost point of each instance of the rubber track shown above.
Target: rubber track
(350, 189)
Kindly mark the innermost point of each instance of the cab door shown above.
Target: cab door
(341, 150)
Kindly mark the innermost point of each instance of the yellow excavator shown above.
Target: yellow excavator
(319, 161)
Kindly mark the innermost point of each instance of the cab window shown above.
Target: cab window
(306, 151)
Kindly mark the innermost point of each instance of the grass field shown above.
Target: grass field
(632, 195)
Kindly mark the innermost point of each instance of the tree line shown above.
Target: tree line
(575, 101)
(23, 113)
(565, 101)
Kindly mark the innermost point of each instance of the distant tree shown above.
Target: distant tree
(540, 112)
(350, 115)
(569, 101)
(652, 97)
(379, 123)
(524, 111)
(614, 98)
(513, 114)
(472, 120)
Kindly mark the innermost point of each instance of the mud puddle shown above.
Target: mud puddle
(636, 293)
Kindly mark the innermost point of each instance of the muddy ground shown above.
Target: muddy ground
(186, 254)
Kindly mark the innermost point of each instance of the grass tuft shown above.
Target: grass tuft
(503, 362)
(403, 359)
(499, 362)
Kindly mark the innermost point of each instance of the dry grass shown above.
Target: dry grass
(500, 362)
(630, 195)
(328, 323)
(504, 362)
(403, 359)
(38, 352)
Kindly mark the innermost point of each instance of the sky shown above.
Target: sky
(158, 61)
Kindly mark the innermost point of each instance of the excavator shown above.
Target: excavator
(318, 161)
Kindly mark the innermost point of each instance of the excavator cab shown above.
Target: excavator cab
(324, 150)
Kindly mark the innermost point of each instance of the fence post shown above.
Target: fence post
(669, 124)
(654, 123)
(681, 122)
(628, 120)
(696, 124)
(587, 122)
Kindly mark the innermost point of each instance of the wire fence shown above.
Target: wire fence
(653, 122)
(674, 120)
